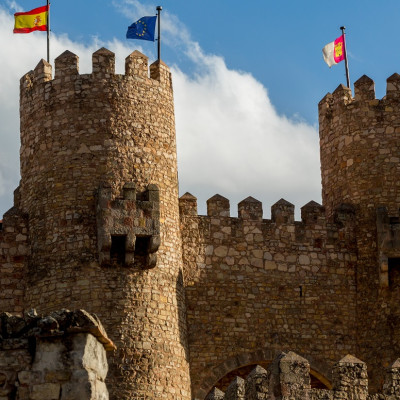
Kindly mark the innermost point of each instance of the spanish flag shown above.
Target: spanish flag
(34, 20)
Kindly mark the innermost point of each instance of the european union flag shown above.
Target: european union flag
(142, 29)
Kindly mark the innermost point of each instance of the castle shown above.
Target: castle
(191, 303)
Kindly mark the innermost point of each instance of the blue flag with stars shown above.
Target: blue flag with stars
(142, 29)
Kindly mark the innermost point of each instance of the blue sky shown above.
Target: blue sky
(248, 77)
(278, 42)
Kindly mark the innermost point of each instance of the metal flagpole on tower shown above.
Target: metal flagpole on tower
(159, 8)
(345, 56)
(48, 31)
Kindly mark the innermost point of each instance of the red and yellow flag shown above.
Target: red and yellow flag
(34, 20)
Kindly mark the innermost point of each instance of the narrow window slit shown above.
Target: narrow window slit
(141, 250)
(118, 249)
(394, 272)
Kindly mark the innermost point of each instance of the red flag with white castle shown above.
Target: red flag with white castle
(335, 51)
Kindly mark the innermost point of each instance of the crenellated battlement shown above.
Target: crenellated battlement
(364, 95)
(249, 230)
(66, 70)
(282, 212)
(363, 105)
(256, 240)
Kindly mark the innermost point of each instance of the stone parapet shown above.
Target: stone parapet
(250, 212)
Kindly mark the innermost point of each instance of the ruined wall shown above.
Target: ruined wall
(61, 356)
(360, 164)
(256, 286)
(287, 378)
(98, 161)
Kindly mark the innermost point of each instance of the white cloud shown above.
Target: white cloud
(231, 140)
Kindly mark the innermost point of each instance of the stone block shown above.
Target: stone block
(257, 384)
(49, 354)
(188, 205)
(45, 391)
(89, 354)
(236, 390)
(282, 212)
(250, 209)
(218, 206)
(350, 378)
(364, 89)
(294, 375)
(215, 394)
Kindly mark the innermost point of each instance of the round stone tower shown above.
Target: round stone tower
(360, 142)
(99, 186)
(360, 165)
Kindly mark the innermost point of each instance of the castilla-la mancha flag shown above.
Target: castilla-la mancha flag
(334, 52)
(34, 20)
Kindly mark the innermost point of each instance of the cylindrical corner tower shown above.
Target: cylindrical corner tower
(360, 165)
(360, 142)
(99, 186)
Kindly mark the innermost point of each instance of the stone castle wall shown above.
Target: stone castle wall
(360, 164)
(97, 224)
(98, 162)
(256, 286)
(14, 250)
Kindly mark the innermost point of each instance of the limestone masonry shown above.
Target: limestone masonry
(195, 307)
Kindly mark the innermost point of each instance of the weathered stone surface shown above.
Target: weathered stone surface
(66, 362)
(267, 285)
(288, 378)
(294, 375)
(98, 162)
(236, 390)
(79, 133)
(215, 394)
(350, 378)
(257, 384)
(89, 354)
(360, 166)
(45, 391)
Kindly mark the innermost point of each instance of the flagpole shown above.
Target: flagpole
(159, 8)
(345, 56)
(48, 31)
